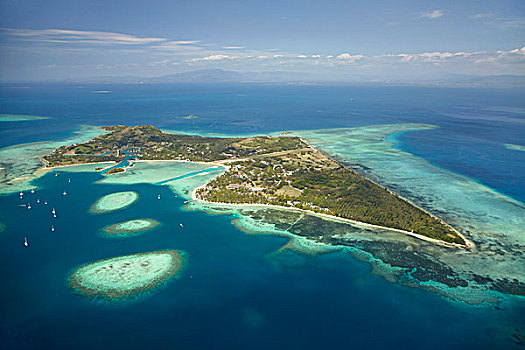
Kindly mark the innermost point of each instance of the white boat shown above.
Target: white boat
(54, 215)
(32, 191)
(181, 225)
(28, 206)
(187, 201)
(69, 180)
(52, 228)
(56, 174)
(45, 202)
(26, 244)
(64, 193)
(38, 200)
(158, 197)
(53, 211)
(21, 194)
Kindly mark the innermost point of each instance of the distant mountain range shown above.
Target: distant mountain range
(220, 76)
(204, 76)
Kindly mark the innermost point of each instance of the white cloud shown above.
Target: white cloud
(507, 23)
(160, 52)
(211, 58)
(432, 57)
(163, 62)
(431, 14)
(348, 58)
(184, 42)
(181, 45)
(344, 56)
(479, 15)
(517, 51)
(63, 36)
(454, 59)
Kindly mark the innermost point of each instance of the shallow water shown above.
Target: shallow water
(494, 222)
(235, 287)
(114, 201)
(243, 289)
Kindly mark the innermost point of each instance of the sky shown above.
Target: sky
(344, 39)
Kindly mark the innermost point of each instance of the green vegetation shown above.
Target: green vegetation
(150, 143)
(264, 170)
(113, 171)
(308, 180)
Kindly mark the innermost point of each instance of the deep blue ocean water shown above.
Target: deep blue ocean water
(235, 292)
(474, 123)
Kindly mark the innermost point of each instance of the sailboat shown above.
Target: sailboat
(53, 211)
(26, 244)
(158, 197)
(69, 180)
(38, 200)
(56, 174)
(28, 206)
(181, 225)
(52, 228)
(64, 193)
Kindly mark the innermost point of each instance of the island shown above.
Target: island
(281, 171)
(114, 201)
(126, 276)
(114, 171)
(149, 143)
(515, 147)
(130, 228)
(19, 117)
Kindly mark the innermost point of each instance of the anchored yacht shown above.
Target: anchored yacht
(28, 206)
(32, 191)
(52, 228)
(26, 244)
(64, 193)
(158, 197)
(38, 200)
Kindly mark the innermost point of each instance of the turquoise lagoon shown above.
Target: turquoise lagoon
(254, 277)
(129, 228)
(114, 201)
(19, 117)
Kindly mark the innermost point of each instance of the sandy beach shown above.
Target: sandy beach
(468, 244)
(224, 164)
